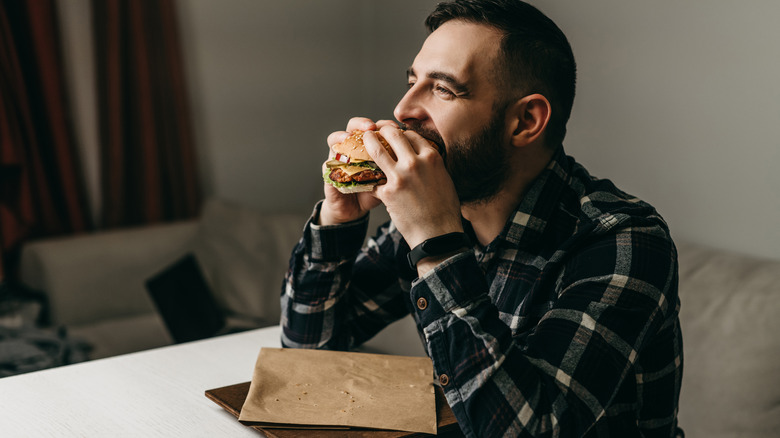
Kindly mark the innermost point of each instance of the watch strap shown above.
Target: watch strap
(436, 246)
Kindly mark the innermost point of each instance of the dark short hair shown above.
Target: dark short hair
(537, 57)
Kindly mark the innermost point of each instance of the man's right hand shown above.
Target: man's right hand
(340, 208)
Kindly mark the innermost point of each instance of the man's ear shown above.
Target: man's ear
(528, 119)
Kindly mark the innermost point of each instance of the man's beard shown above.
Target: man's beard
(478, 165)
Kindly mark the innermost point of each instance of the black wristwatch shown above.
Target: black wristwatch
(436, 246)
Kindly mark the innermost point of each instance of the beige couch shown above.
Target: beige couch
(731, 304)
(95, 283)
(731, 335)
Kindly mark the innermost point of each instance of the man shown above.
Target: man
(557, 316)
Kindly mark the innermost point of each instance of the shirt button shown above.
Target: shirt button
(422, 303)
(444, 380)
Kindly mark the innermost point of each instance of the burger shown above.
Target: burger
(352, 170)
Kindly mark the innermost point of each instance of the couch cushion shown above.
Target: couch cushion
(99, 276)
(244, 254)
(731, 335)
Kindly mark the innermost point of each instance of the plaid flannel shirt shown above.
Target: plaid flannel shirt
(565, 325)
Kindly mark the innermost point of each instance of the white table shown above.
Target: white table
(154, 393)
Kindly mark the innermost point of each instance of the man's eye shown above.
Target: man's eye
(443, 92)
(409, 85)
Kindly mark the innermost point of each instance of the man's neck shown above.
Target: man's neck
(488, 218)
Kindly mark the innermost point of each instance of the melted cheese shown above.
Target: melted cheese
(351, 170)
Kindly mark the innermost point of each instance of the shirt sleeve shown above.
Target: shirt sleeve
(558, 375)
(337, 294)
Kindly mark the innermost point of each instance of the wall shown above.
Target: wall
(270, 80)
(679, 103)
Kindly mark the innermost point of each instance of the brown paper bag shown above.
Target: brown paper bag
(297, 387)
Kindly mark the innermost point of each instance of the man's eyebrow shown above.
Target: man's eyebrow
(457, 86)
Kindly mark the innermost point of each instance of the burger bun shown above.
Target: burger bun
(358, 188)
(354, 148)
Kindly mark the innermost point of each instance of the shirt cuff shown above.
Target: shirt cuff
(449, 287)
(334, 242)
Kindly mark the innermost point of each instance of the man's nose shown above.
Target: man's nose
(409, 107)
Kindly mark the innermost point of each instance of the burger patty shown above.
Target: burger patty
(367, 175)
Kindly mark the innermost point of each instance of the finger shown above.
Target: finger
(419, 142)
(382, 123)
(398, 141)
(360, 123)
(355, 123)
(377, 151)
(337, 137)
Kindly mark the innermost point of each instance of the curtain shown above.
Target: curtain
(41, 188)
(148, 161)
